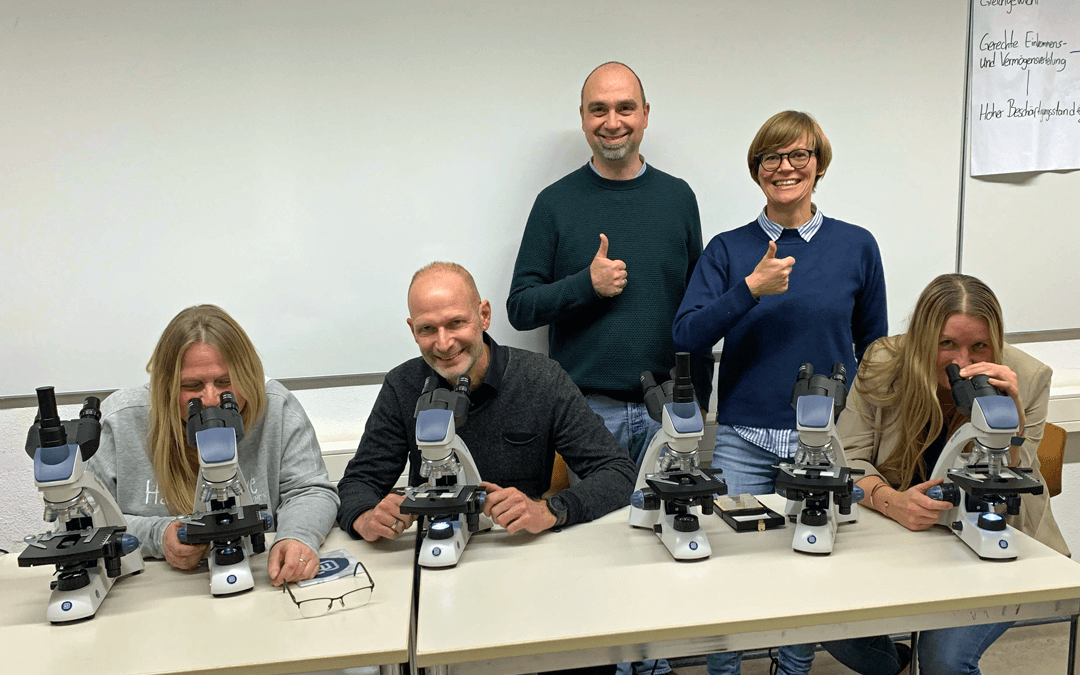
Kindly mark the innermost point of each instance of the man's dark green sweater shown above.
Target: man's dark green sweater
(652, 224)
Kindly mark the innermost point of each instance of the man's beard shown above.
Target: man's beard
(450, 377)
(615, 152)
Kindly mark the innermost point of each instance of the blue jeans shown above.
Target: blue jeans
(633, 429)
(628, 422)
(946, 651)
(748, 469)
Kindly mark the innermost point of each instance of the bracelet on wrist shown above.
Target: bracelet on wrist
(873, 491)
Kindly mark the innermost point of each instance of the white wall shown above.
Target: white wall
(295, 162)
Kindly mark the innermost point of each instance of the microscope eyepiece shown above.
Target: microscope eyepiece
(46, 397)
(682, 365)
(431, 383)
(194, 407)
(464, 385)
(228, 401)
(91, 408)
(839, 373)
(953, 371)
(52, 429)
(806, 371)
(683, 391)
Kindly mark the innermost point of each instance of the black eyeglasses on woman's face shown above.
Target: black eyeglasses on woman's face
(798, 159)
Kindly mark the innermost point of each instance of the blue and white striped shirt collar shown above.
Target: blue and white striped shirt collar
(807, 230)
(637, 176)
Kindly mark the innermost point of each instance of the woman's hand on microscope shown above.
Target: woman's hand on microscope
(181, 556)
(912, 508)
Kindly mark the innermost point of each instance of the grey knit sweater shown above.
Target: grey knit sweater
(279, 456)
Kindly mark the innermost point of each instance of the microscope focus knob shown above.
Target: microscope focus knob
(685, 522)
(1012, 505)
(645, 499)
(129, 543)
(946, 492)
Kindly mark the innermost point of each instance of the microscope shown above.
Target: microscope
(223, 514)
(452, 500)
(671, 491)
(978, 480)
(817, 482)
(89, 547)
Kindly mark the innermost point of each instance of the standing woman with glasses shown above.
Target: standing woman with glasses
(791, 287)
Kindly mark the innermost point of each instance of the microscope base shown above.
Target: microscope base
(989, 545)
(132, 563)
(68, 606)
(852, 517)
(231, 579)
(441, 553)
(643, 518)
(814, 539)
(683, 546)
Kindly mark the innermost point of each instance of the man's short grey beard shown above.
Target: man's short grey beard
(615, 152)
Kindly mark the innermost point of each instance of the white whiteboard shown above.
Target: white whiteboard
(296, 162)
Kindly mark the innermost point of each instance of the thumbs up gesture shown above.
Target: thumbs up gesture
(608, 276)
(770, 277)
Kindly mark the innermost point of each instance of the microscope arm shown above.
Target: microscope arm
(954, 448)
(652, 455)
(468, 465)
(839, 457)
(149, 529)
(110, 513)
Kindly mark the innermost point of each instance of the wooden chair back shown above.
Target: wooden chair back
(560, 476)
(1051, 455)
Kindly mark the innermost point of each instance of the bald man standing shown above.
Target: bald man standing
(523, 409)
(605, 259)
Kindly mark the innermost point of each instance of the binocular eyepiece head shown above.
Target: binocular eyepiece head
(227, 402)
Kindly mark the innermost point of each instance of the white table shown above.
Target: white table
(166, 621)
(603, 593)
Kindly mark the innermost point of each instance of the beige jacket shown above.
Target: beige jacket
(866, 446)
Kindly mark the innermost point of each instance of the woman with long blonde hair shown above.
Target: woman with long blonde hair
(898, 418)
(146, 462)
